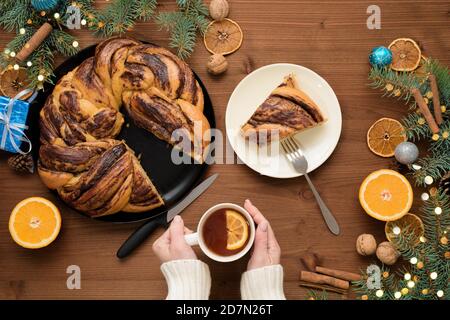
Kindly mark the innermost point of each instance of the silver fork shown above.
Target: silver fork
(295, 156)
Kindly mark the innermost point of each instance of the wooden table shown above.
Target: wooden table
(329, 37)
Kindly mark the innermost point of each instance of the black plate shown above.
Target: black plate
(172, 181)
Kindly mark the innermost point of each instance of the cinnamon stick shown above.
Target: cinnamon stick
(35, 41)
(424, 110)
(436, 100)
(322, 287)
(344, 275)
(323, 279)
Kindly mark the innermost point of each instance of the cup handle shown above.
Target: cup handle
(191, 239)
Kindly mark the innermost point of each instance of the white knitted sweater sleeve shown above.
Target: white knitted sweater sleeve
(187, 279)
(264, 283)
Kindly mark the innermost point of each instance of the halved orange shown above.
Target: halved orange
(34, 223)
(386, 195)
(223, 37)
(384, 135)
(237, 230)
(406, 54)
(410, 225)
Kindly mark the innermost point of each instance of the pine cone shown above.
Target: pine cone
(22, 163)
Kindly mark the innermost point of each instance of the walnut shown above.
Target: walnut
(219, 9)
(366, 245)
(217, 64)
(387, 253)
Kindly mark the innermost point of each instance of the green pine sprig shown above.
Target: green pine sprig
(394, 84)
(422, 259)
(184, 24)
(116, 18)
(435, 166)
(14, 14)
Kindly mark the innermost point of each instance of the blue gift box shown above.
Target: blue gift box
(12, 124)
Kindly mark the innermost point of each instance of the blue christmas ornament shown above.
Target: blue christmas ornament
(44, 5)
(380, 57)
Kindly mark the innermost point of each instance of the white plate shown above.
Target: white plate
(318, 143)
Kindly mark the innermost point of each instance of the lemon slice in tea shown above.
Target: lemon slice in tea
(237, 230)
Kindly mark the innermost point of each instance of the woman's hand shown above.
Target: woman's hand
(266, 250)
(172, 245)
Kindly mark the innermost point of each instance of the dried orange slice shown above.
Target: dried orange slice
(406, 54)
(386, 195)
(223, 37)
(14, 81)
(237, 230)
(410, 226)
(384, 135)
(34, 223)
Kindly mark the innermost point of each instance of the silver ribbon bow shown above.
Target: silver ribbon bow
(15, 130)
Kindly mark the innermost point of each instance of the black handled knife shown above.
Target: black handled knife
(145, 230)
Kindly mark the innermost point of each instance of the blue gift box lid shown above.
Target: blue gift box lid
(18, 116)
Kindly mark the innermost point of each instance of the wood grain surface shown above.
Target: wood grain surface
(329, 37)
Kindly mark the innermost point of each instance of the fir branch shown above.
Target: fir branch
(118, 17)
(433, 165)
(415, 127)
(394, 84)
(183, 37)
(62, 42)
(316, 295)
(42, 59)
(168, 20)
(184, 24)
(14, 14)
(442, 74)
(146, 9)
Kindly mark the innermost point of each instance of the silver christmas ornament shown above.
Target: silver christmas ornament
(406, 152)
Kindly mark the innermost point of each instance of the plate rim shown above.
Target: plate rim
(275, 65)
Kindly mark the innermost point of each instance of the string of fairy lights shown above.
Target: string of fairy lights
(410, 279)
(55, 20)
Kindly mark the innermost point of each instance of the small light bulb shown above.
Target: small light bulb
(433, 275)
(428, 180)
(12, 54)
(411, 284)
(22, 30)
(379, 293)
(422, 239)
(29, 63)
(413, 260)
(407, 276)
(398, 295)
(416, 167)
(40, 77)
(83, 22)
(57, 15)
(425, 196)
(438, 210)
(396, 230)
(7, 51)
(75, 44)
(16, 67)
(440, 293)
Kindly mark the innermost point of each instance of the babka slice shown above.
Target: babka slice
(286, 111)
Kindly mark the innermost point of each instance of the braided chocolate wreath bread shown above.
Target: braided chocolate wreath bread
(79, 157)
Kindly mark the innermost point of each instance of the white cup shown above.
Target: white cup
(196, 238)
